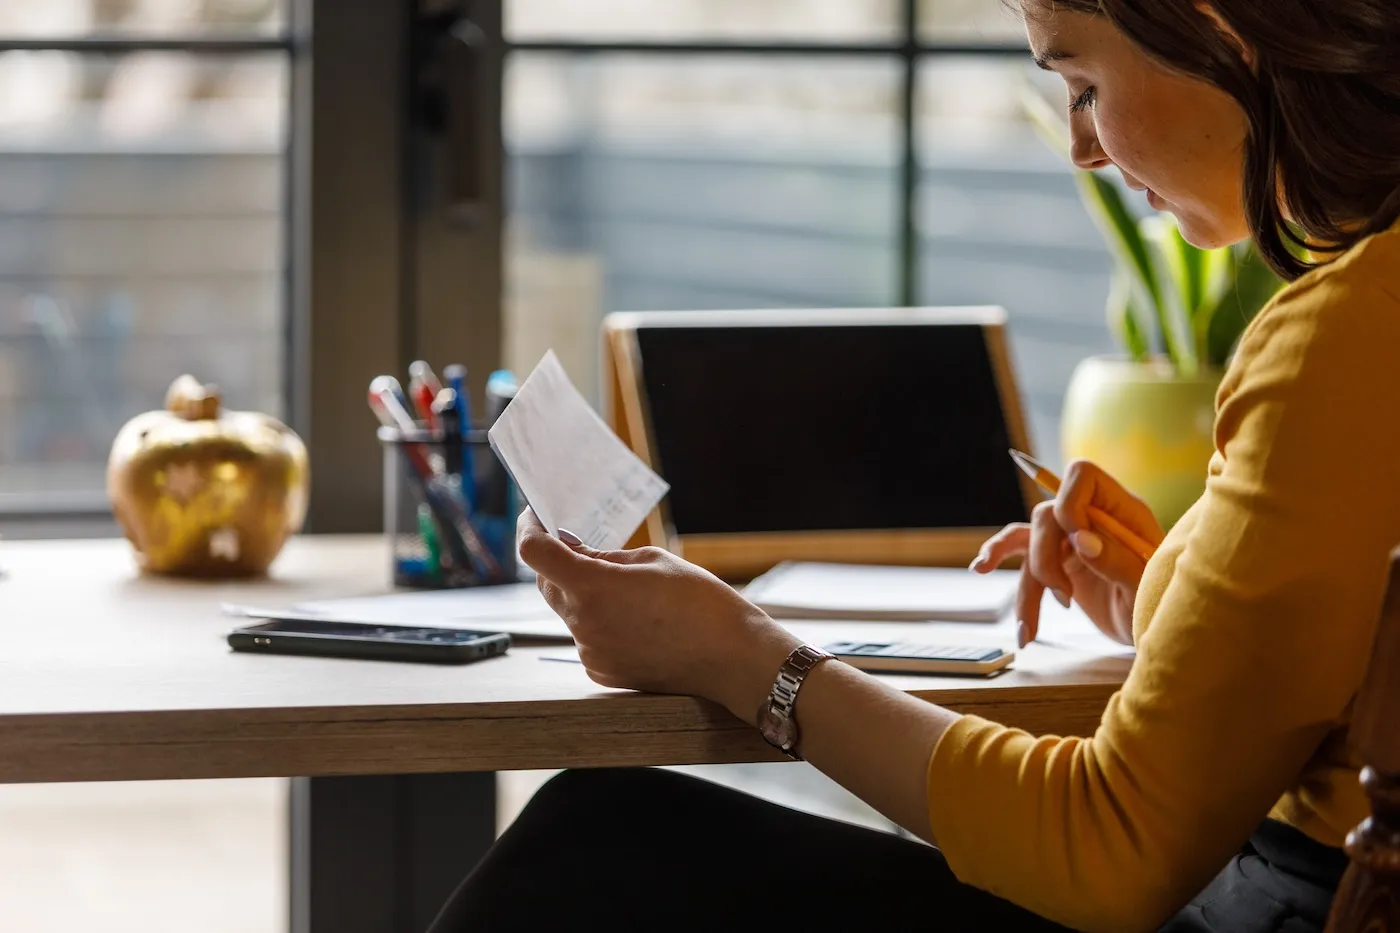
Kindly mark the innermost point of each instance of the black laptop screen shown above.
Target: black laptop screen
(814, 428)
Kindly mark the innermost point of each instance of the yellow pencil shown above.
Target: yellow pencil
(1051, 484)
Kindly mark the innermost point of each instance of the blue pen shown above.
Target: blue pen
(445, 407)
(457, 378)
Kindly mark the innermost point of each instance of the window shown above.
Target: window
(1000, 222)
(668, 154)
(646, 182)
(142, 174)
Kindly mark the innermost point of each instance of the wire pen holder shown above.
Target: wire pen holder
(447, 527)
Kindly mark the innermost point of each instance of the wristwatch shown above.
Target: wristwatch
(775, 715)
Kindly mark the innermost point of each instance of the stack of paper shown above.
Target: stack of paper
(801, 590)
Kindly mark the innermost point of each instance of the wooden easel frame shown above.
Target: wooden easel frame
(742, 555)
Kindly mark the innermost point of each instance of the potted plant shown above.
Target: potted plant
(1147, 414)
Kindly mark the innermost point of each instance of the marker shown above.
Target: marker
(427, 530)
(1051, 484)
(501, 387)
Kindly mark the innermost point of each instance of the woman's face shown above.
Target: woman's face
(1177, 138)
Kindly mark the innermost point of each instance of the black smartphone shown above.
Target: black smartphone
(369, 641)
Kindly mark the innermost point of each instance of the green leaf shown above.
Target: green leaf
(1193, 262)
(1253, 284)
(1217, 276)
(1174, 269)
(1226, 324)
(1125, 241)
(1218, 279)
(1161, 232)
(1125, 319)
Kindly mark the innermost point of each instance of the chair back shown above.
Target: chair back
(1368, 898)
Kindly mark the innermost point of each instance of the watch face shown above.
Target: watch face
(779, 731)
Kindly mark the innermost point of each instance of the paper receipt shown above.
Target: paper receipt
(569, 465)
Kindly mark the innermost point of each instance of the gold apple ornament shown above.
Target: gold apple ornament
(203, 492)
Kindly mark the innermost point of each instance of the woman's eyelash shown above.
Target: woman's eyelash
(1084, 100)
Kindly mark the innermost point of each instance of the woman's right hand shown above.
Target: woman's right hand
(1065, 554)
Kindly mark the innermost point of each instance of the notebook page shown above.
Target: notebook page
(817, 590)
(569, 465)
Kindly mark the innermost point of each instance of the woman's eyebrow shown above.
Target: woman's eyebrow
(1044, 59)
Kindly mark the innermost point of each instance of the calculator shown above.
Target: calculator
(899, 657)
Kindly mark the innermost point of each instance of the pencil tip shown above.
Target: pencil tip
(1024, 461)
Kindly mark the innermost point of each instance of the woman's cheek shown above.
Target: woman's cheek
(1121, 140)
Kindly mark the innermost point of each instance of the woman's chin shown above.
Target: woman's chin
(1206, 233)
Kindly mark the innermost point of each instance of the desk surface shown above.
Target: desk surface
(109, 675)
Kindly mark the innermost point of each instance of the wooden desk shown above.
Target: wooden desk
(108, 676)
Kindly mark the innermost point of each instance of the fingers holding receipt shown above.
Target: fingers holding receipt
(571, 468)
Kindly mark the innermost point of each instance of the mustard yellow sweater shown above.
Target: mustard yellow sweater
(1253, 627)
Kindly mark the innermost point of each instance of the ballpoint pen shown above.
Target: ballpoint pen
(419, 371)
(457, 379)
(424, 400)
(445, 410)
(386, 399)
(1051, 484)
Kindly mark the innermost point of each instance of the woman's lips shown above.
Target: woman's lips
(1155, 199)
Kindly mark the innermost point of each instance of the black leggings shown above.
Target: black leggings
(623, 850)
(655, 850)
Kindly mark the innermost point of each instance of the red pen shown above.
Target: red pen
(420, 371)
(423, 398)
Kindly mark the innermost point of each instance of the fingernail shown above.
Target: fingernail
(569, 538)
(1022, 634)
(1062, 597)
(1087, 543)
(976, 563)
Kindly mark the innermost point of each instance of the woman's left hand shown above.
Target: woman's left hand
(648, 620)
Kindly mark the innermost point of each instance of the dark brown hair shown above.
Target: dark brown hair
(1319, 83)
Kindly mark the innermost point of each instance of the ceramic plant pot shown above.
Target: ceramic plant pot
(1146, 425)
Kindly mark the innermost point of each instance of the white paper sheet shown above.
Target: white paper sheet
(569, 465)
(809, 590)
(1070, 630)
(514, 609)
(519, 610)
(1066, 630)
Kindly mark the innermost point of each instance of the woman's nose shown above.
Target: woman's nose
(1084, 149)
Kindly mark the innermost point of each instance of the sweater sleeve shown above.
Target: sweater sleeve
(1250, 657)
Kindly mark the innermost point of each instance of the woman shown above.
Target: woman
(1218, 788)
